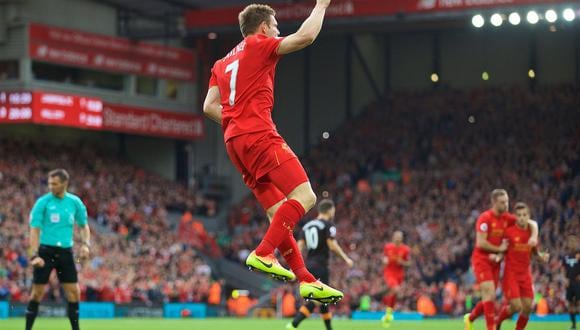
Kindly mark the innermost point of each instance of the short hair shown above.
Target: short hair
(522, 206)
(497, 193)
(252, 16)
(62, 174)
(325, 205)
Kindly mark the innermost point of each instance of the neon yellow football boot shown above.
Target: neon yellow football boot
(320, 292)
(388, 318)
(269, 265)
(467, 322)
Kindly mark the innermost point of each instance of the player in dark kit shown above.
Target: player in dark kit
(571, 263)
(241, 99)
(319, 237)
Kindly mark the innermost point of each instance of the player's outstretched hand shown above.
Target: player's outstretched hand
(545, 256)
(324, 3)
(349, 262)
(37, 262)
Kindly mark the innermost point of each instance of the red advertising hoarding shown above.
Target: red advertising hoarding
(206, 18)
(76, 48)
(92, 113)
(66, 110)
(127, 119)
(15, 107)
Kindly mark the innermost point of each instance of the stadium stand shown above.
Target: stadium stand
(434, 185)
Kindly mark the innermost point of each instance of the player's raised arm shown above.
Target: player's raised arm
(307, 32)
(211, 106)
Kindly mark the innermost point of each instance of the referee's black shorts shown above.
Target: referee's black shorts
(320, 272)
(573, 292)
(57, 258)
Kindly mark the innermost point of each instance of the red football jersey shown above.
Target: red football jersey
(518, 255)
(396, 253)
(245, 78)
(495, 226)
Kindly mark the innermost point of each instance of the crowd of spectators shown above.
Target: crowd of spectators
(425, 163)
(422, 162)
(137, 253)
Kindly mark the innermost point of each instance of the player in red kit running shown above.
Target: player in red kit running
(490, 228)
(396, 256)
(517, 282)
(241, 98)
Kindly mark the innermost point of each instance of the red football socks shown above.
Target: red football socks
(476, 312)
(522, 322)
(504, 314)
(489, 311)
(289, 250)
(283, 222)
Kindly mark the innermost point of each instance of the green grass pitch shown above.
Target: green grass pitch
(256, 324)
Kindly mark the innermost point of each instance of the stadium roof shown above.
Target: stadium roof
(167, 13)
(153, 8)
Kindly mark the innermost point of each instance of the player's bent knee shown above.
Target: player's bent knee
(308, 198)
(516, 307)
(304, 195)
(488, 291)
(73, 292)
(37, 293)
(526, 309)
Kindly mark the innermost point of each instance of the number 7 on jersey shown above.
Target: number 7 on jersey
(233, 67)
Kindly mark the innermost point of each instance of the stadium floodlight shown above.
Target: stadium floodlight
(434, 77)
(551, 15)
(496, 20)
(533, 17)
(514, 19)
(569, 14)
(478, 21)
(485, 76)
(532, 74)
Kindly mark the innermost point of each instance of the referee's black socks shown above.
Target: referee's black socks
(73, 315)
(31, 313)
(573, 319)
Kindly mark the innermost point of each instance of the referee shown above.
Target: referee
(52, 222)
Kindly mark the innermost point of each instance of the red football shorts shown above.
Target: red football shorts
(517, 285)
(486, 270)
(393, 280)
(267, 164)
